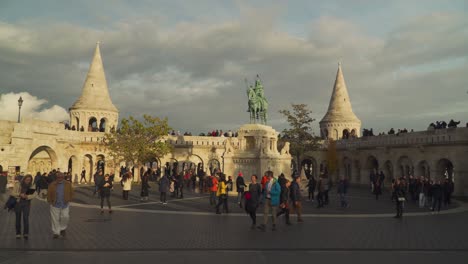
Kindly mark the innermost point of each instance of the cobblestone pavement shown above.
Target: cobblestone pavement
(119, 236)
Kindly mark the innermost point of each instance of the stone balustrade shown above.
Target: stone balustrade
(429, 137)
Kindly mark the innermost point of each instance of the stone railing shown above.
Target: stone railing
(429, 137)
(181, 141)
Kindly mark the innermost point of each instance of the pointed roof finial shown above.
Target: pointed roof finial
(339, 108)
(95, 95)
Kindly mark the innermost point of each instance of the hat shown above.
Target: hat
(240, 174)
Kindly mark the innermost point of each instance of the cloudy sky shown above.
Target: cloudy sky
(404, 62)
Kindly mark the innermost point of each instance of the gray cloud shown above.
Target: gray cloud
(193, 72)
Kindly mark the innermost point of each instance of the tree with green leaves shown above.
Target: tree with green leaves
(138, 141)
(299, 134)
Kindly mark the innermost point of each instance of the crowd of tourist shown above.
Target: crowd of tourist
(214, 133)
(276, 196)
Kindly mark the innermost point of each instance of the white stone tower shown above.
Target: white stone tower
(94, 110)
(340, 120)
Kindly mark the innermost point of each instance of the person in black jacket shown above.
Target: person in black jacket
(436, 191)
(252, 200)
(296, 198)
(240, 186)
(400, 197)
(104, 188)
(284, 201)
(311, 187)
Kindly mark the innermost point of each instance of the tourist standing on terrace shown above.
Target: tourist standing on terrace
(212, 184)
(342, 190)
(145, 186)
(163, 188)
(126, 183)
(296, 198)
(252, 200)
(222, 194)
(59, 196)
(240, 185)
(271, 195)
(399, 190)
(284, 201)
(105, 187)
(24, 193)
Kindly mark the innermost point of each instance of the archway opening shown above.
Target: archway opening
(42, 159)
(372, 166)
(346, 134)
(309, 165)
(88, 166)
(406, 166)
(388, 171)
(423, 169)
(445, 170)
(214, 166)
(102, 125)
(77, 122)
(92, 125)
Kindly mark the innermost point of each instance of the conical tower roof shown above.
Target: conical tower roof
(340, 109)
(95, 95)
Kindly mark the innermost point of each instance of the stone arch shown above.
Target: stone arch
(346, 134)
(73, 166)
(423, 169)
(196, 163)
(445, 170)
(347, 168)
(335, 134)
(388, 171)
(103, 125)
(171, 167)
(43, 155)
(77, 121)
(405, 166)
(88, 165)
(213, 165)
(372, 166)
(310, 167)
(92, 124)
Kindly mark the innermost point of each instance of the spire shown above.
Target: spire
(95, 95)
(340, 105)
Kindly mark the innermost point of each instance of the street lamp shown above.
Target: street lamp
(20, 103)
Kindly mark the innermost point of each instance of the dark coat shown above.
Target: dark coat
(256, 194)
(105, 191)
(311, 184)
(145, 186)
(436, 191)
(343, 186)
(240, 184)
(164, 184)
(295, 192)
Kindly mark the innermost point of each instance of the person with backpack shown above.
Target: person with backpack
(221, 193)
(252, 200)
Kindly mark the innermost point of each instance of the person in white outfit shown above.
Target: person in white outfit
(59, 195)
(126, 184)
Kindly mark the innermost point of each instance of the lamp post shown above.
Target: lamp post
(20, 103)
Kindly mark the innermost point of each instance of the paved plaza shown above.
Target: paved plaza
(189, 229)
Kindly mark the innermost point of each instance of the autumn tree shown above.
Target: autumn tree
(299, 134)
(138, 141)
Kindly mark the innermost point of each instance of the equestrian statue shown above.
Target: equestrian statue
(258, 105)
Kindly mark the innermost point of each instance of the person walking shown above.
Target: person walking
(342, 190)
(421, 188)
(59, 195)
(212, 183)
(126, 183)
(222, 194)
(377, 188)
(320, 194)
(179, 193)
(400, 198)
(437, 193)
(311, 188)
(296, 198)
(252, 200)
(83, 176)
(271, 195)
(105, 187)
(145, 186)
(284, 201)
(240, 187)
(164, 183)
(24, 193)
(98, 177)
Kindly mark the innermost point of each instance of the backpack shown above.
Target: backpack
(10, 203)
(210, 182)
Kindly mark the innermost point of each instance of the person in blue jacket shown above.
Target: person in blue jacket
(271, 198)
